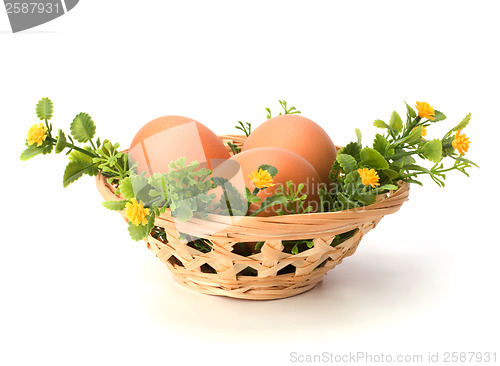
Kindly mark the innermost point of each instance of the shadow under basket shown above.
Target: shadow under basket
(271, 273)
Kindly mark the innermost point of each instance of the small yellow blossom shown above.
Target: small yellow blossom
(369, 177)
(262, 179)
(136, 212)
(425, 110)
(37, 134)
(461, 143)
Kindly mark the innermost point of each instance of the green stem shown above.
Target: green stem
(229, 209)
(406, 153)
(83, 151)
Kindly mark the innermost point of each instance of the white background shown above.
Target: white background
(75, 290)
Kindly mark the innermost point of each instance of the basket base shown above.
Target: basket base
(269, 293)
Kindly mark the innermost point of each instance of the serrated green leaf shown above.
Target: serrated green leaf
(352, 148)
(83, 128)
(438, 116)
(44, 109)
(30, 152)
(367, 198)
(270, 169)
(184, 210)
(352, 182)
(137, 232)
(380, 124)
(463, 123)
(414, 136)
(74, 170)
(410, 111)
(115, 205)
(132, 185)
(61, 142)
(433, 150)
(371, 158)
(396, 123)
(380, 144)
(347, 162)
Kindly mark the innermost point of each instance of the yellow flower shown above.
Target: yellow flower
(369, 177)
(425, 110)
(37, 134)
(136, 212)
(461, 143)
(261, 179)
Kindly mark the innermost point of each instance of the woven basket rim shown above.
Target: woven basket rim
(249, 228)
(382, 200)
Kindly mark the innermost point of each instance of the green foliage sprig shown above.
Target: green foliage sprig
(246, 127)
(360, 173)
(85, 159)
(286, 109)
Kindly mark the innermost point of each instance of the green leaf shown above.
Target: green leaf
(83, 128)
(352, 182)
(410, 111)
(347, 162)
(277, 199)
(396, 123)
(462, 124)
(414, 136)
(184, 210)
(250, 197)
(30, 152)
(380, 124)
(392, 174)
(373, 159)
(389, 187)
(115, 205)
(352, 148)
(367, 198)
(74, 170)
(44, 109)
(61, 142)
(137, 232)
(438, 116)
(326, 200)
(358, 135)
(345, 202)
(131, 186)
(270, 169)
(76, 155)
(380, 144)
(433, 150)
(231, 202)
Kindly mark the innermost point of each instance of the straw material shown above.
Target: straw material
(299, 272)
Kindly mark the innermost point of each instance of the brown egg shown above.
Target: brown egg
(290, 167)
(168, 138)
(300, 135)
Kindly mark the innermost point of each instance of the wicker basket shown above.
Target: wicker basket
(195, 270)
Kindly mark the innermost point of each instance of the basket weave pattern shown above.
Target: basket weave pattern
(188, 264)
